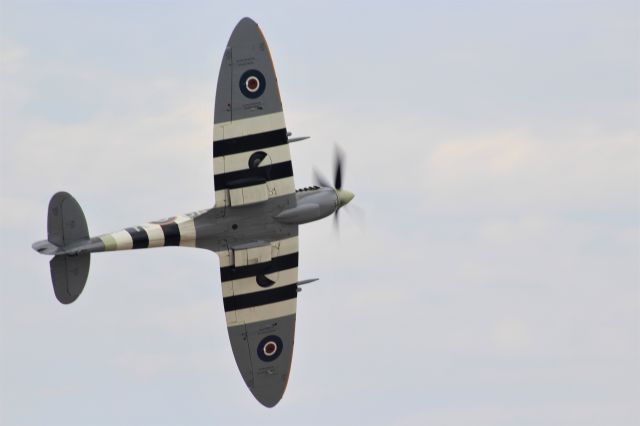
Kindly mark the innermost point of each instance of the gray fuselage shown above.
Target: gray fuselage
(275, 219)
(220, 228)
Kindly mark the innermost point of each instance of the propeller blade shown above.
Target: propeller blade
(320, 180)
(339, 168)
(357, 211)
(359, 216)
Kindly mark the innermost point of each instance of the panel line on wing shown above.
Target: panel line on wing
(248, 126)
(276, 187)
(278, 248)
(261, 313)
(276, 264)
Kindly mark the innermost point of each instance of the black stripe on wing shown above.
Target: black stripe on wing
(260, 298)
(280, 263)
(249, 143)
(254, 176)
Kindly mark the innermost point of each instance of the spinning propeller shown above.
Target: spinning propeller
(344, 196)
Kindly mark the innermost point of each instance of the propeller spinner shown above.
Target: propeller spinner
(344, 196)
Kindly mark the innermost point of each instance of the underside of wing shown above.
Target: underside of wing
(259, 286)
(251, 157)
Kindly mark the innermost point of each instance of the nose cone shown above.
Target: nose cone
(344, 197)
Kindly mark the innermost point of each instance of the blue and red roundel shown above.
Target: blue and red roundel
(270, 348)
(252, 84)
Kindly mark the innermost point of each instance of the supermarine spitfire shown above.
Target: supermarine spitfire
(253, 227)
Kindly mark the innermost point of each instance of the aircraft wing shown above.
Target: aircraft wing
(259, 286)
(252, 164)
(251, 157)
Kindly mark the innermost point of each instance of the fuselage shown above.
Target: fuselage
(217, 228)
(275, 219)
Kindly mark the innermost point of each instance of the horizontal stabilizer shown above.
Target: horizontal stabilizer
(69, 275)
(67, 230)
(66, 223)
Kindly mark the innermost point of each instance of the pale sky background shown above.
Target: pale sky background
(495, 147)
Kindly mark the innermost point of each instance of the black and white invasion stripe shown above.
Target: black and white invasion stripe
(178, 231)
(254, 142)
(260, 291)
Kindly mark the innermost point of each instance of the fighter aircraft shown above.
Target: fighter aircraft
(253, 226)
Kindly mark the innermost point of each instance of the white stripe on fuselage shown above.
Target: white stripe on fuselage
(155, 234)
(187, 231)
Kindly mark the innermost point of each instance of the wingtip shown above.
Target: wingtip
(245, 23)
(247, 19)
(268, 399)
(245, 31)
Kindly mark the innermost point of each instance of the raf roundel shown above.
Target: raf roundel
(270, 348)
(252, 84)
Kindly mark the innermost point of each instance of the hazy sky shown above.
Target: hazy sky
(495, 147)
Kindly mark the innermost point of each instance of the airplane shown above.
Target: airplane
(253, 226)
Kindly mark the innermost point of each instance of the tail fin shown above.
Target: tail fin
(66, 227)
